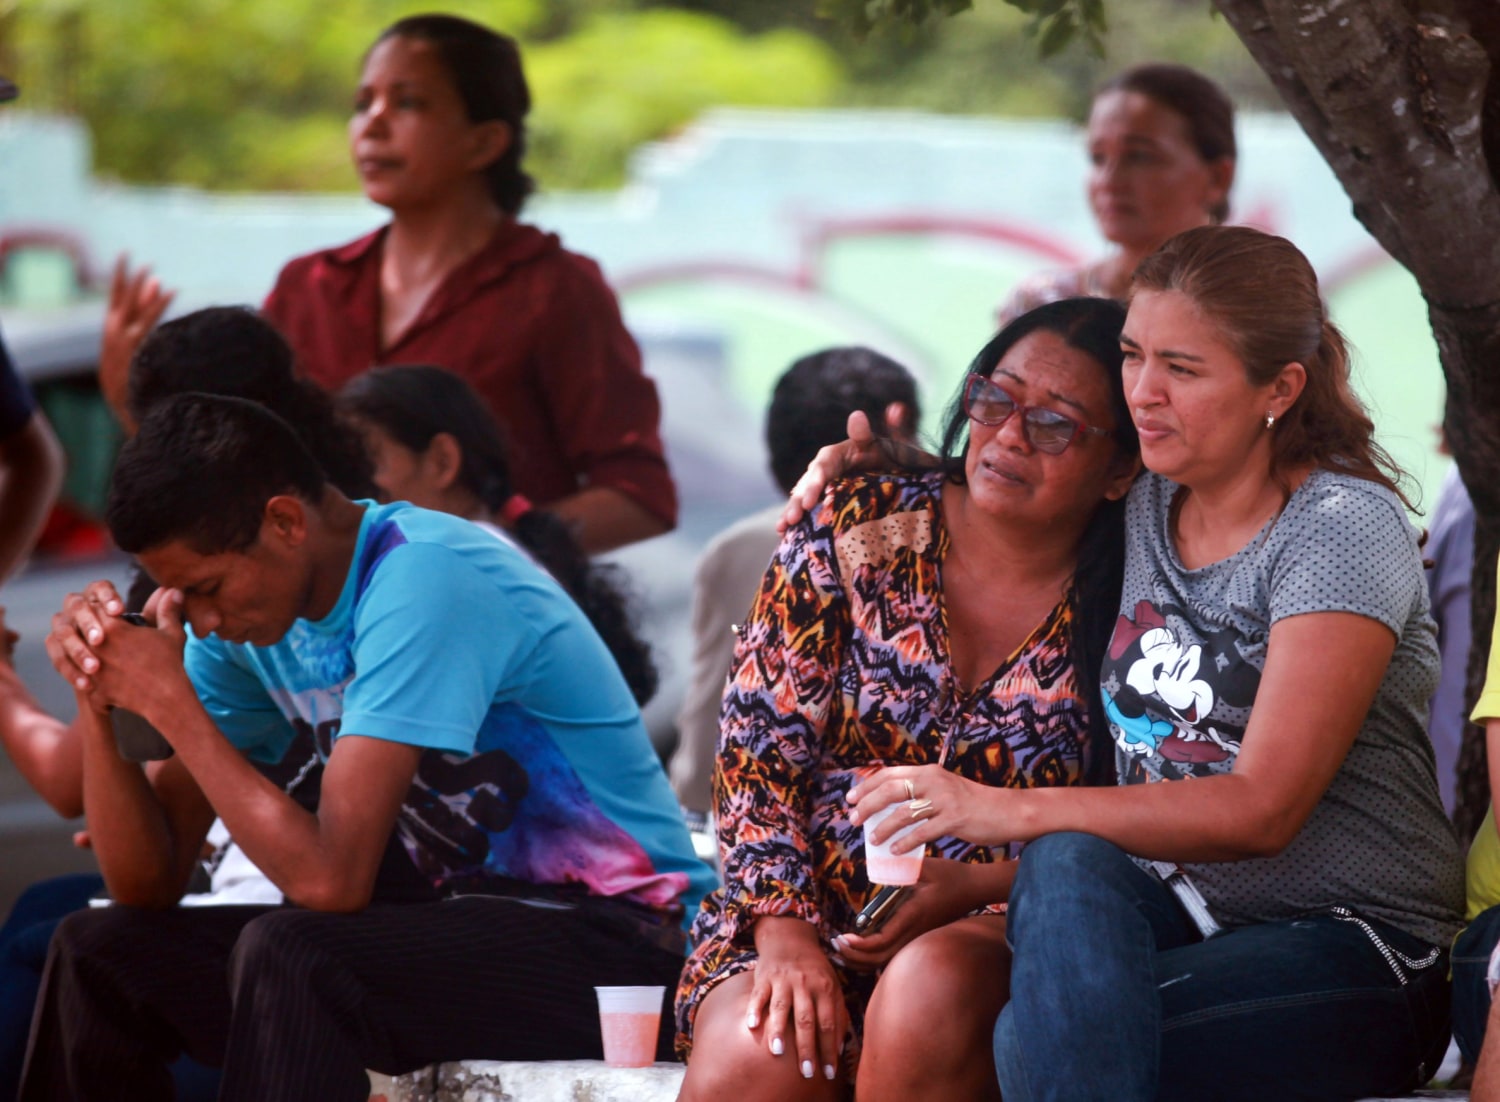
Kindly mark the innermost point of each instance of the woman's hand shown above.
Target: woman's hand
(863, 451)
(794, 979)
(137, 301)
(944, 894)
(946, 805)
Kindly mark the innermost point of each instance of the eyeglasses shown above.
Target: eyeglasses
(1046, 430)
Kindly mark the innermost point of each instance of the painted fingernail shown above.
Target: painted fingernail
(776, 1046)
(115, 606)
(807, 1069)
(90, 664)
(752, 1020)
(828, 1071)
(81, 683)
(95, 635)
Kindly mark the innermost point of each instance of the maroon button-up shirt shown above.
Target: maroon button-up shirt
(532, 327)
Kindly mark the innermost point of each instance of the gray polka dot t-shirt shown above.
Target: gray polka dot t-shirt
(1182, 671)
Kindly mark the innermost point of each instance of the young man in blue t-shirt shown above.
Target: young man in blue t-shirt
(493, 833)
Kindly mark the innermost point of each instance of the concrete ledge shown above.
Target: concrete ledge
(586, 1081)
(416, 1086)
(556, 1081)
(542, 1081)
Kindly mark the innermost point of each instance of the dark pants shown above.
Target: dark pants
(1114, 996)
(1471, 991)
(296, 1004)
(23, 957)
(23, 952)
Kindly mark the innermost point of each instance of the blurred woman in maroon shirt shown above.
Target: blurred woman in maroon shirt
(437, 136)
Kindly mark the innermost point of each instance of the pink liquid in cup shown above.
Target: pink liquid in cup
(629, 1018)
(881, 865)
(885, 869)
(629, 1039)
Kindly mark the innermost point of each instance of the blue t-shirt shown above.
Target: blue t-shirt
(538, 766)
(16, 403)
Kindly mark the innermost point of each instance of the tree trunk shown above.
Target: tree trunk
(1402, 98)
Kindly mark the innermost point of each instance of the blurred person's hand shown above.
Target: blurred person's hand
(863, 451)
(137, 301)
(8, 641)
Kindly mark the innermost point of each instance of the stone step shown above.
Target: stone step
(583, 1081)
(540, 1081)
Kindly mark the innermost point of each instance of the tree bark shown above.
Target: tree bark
(1402, 98)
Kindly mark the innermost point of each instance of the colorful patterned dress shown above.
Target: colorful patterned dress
(842, 665)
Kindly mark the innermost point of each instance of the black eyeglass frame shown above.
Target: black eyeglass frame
(976, 385)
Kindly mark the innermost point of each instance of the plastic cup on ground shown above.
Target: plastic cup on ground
(629, 1018)
(884, 867)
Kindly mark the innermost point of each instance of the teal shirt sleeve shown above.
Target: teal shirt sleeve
(433, 642)
(236, 700)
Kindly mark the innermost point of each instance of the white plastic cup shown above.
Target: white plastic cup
(883, 866)
(629, 1018)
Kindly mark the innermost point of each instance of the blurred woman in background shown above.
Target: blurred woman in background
(456, 279)
(1162, 154)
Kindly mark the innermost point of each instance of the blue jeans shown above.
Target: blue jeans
(1471, 991)
(1115, 997)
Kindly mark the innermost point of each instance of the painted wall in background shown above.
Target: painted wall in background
(755, 237)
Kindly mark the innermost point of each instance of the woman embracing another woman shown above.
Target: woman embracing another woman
(1262, 907)
(952, 615)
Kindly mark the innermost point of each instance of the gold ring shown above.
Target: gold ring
(916, 807)
(911, 792)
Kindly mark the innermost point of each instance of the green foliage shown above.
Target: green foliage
(863, 16)
(1054, 23)
(216, 93)
(986, 60)
(254, 94)
(622, 79)
(228, 94)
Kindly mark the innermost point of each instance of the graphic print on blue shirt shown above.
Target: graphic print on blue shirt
(536, 764)
(1160, 687)
(517, 809)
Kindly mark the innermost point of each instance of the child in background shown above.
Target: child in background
(434, 444)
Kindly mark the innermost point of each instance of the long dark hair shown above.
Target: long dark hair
(234, 352)
(412, 403)
(485, 67)
(1091, 325)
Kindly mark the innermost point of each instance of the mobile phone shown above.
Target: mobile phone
(881, 906)
(135, 738)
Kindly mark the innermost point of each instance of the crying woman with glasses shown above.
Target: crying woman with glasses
(948, 615)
